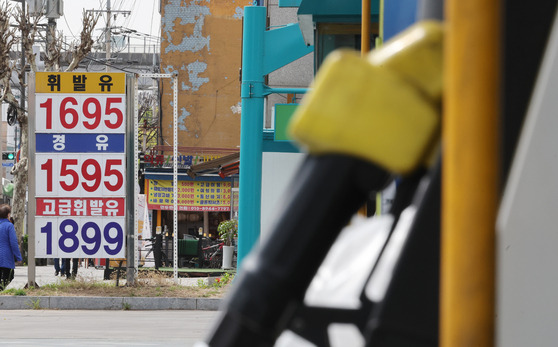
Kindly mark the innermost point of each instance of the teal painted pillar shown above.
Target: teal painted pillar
(263, 51)
(251, 126)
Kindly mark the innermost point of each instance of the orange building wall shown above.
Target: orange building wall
(201, 40)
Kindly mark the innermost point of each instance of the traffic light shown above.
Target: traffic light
(8, 155)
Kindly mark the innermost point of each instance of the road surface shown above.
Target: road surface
(103, 328)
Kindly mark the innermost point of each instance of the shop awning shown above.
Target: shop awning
(224, 166)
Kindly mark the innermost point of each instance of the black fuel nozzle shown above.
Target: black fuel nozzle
(275, 276)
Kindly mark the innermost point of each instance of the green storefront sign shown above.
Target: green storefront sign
(283, 113)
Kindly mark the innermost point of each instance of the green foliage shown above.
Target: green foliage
(126, 306)
(52, 286)
(228, 230)
(225, 279)
(34, 304)
(202, 284)
(16, 292)
(219, 282)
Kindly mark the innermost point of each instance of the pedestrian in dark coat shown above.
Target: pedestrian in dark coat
(9, 248)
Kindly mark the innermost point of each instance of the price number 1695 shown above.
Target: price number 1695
(79, 114)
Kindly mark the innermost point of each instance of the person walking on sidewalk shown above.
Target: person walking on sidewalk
(9, 248)
(74, 267)
(57, 268)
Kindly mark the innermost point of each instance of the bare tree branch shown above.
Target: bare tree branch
(28, 28)
(79, 51)
(53, 52)
(7, 40)
(148, 124)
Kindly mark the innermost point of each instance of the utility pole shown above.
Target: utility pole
(108, 29)
(107, 37)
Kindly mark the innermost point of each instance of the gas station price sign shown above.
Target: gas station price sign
(80, 164)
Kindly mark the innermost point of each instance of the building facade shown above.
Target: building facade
(201, 41)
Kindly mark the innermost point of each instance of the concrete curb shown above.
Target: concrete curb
(106, 303)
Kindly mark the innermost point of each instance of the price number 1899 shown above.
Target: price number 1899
(80, 238)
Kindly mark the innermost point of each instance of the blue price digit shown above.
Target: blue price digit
(47, 229)
(95, 240)
(71, 235)
(118, 240)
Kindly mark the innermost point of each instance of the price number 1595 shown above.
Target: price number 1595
(80, 175)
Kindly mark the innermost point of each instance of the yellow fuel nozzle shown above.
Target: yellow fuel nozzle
(384, 108)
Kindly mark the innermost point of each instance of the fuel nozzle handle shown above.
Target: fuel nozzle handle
(365, 119)
(274, 278)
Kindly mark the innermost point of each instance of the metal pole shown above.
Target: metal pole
(136, 176)
(30, 234)
(175, 156)
(470, 173)
(131, 177)
(365, 27)
(107, 37)
(251, 129)
(175, 177)
(31, 205)
(270, 90)
(381, 24)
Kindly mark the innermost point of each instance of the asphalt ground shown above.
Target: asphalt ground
(50, 328)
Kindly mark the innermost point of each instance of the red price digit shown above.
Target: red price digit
(66, 171)
(95, 115)
(48, 105)
(116, 111)
(110, 171)
(64, 112)
(91, 178)
(47, 166)
(95, 176)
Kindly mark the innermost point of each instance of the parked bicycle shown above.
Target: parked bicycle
(212, 253)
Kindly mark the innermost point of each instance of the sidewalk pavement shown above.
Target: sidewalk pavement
(45, 275)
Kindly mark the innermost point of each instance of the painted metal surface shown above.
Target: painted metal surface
(282, 46)
(250, 183)
(470, 172)
(289, 3)
(335, 8)
(263, 51)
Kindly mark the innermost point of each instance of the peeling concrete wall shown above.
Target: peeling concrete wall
(202, 40)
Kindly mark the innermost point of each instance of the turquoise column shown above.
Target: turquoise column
(263, 51)
(251, 129)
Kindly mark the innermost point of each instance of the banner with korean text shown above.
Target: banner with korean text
(79, 164)
(192, 195)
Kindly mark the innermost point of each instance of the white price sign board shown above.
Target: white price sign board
(79, 165)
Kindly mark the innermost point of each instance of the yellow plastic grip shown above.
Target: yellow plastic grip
(384, 108)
